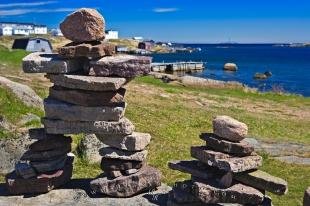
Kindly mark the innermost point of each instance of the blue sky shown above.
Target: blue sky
(203, 21)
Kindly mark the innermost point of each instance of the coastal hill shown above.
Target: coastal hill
(174, 114)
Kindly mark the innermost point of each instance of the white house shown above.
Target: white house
(6, 31)
(40, 29)
(22, 28)
(111, 34)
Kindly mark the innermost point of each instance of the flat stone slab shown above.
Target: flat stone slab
(41, 184)
(202, 171)
(242, 148)
(24, 170)
(237, 193)
(307, 197)
(182, 193)
(49, 165)
(264, 181)
(50, 143)
(46, 155)
(226, 162)
(94, 49)
(229, 128)
(124, 126)
(146, 179)
(122, 65)
(109, 164)
(88, 98)
(66, 196)
(87, 82)
(39, 62)
(55, 109)
(112, 153)
(134, 142)
(40, 134)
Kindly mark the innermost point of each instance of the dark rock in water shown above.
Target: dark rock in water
(202, 171)
(116, 164)
(307, 197)
(268, 73)
(25, 170)
(146, 179)
(242, 148)
(264, 181)
(260, 76)
(40, 184)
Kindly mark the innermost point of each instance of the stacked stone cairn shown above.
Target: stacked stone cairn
(226, 170)
(87, 97)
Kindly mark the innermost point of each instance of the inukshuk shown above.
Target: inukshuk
(226, 170)
(88, 97)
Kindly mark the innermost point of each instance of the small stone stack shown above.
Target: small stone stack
(226, 170)
(88, 97)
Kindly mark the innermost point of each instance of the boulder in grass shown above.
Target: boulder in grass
(229, 128)
(83, 25)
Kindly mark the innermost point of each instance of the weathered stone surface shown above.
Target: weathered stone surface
(237, 193)
(242, 148)
(66, 196)
(87, 82)
(124, 126)
(55, 109)
(307, 197)
(131, 171)
(39, 62)
(121, 65)
(146, 179)
(203, 171)
(112, 153)
(134, 142)
(24, 170)
(182, 193)
(114, 174)
(40, 134)
(46, 155)
(226, 162)
(51, 143)
(89, 147)
(108, 164)
(84, 25)
(264, 181)
(95, 49)
(229, 128)
(88, 98)
(50, 165)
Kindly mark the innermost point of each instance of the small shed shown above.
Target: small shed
(145, 45)
(33, 45)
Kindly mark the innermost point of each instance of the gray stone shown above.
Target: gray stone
(40, 134)
(51, 144)
(307, 197)
(40, 184)
(88, 98)
(182, 193)
(55, 109)
(83, 25)
(294, 160)
(121, 65)
(112, 153)
(134, 142)
(229, 128)
(237, 193)
(94, 49)
(50, 165)
(108, 164)
(87, 82)
(264, 181)
(146, 179)
(46, 155)
(24, 170)
(217, 143)
(124, 126)
(226, 162)
(114, 174)
(202, 171)
(89, 147)
(23, 92)
(131, 171)
(66, 196)
(39, 62)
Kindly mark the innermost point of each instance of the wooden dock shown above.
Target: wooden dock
(177, 66)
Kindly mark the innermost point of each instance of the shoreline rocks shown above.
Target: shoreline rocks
(230, 67)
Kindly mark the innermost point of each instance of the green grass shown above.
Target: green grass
(12, 58)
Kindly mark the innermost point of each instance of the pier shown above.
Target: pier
(177, 66)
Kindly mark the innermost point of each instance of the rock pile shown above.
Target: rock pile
(226, 170)
(88, 97)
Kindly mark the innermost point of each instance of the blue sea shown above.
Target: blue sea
(290, 66)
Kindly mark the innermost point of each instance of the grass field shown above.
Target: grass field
(175, 116)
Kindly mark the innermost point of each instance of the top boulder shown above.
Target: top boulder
(84, 25)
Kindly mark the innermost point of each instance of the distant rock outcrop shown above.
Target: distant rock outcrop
(22, 92)
(230, 67)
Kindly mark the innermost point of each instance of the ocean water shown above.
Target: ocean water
(290, 66)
